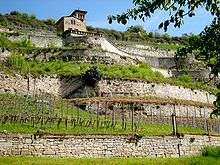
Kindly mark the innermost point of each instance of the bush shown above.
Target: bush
(17, 18)
(92, 76)
(211, 152)
(185, 78)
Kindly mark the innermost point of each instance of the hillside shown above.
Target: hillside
(100, 93)
(25, 21)
(120, 80)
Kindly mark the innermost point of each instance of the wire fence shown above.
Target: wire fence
(57, 115)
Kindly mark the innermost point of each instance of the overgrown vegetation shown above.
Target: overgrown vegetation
(211, 152)
(18, 63)
(196, 160)
(23, 20)
(139, 35)
(6, 43)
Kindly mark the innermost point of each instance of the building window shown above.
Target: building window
(73, 22)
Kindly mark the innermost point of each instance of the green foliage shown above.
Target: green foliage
(110, 33)
(15, 108)
(16, 18)
(211, 152)
(6, 43)
(92, 76)
(51, 45)
(185, 78)
(136, 29)
(177, 10)
(24, 43)
(50, 22)
(139, 34)
(18, 63)
(207, 49)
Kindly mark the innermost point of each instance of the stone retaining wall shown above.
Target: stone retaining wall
(149, 51)
(54, 85)
(159, 62)
(104, 146)
(145, 109)
(4, 54)
(107, 88)
(23, 85)
(143, 88)
(39, 40)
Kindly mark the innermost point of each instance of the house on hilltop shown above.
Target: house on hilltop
(75, 21)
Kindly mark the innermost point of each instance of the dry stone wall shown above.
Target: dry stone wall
(39, 40)
(149, 109)
(145, 51)
(96, 56)
(106, 87)
(54, 85)
(23, 85)
(104, 146)
(149, 51)
(4, 54)
(143, 88)
(76, 55)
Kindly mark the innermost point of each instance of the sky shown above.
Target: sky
(98, 10)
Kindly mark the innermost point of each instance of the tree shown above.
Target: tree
(206, 48)
(135, 33)
(136, 29)
(177, 10)
(50, 22)
(92, 76)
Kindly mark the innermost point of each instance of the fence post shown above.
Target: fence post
(132, 117)
(97, 115)
(123, 115)
(208, 126)
(174, 124)
(113, 114)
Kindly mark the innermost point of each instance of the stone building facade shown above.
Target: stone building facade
(75, 21)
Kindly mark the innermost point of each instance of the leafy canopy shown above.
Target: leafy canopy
(177, 10)
(206, 48)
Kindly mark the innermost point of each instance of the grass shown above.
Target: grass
(166, 46)
(144, 129)
(27, 107)
(18, 63)
(208, 159)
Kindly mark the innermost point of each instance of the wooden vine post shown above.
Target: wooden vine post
(132, 117)
(174, 124)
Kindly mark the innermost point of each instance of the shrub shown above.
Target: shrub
(185, 78)
(92, 76)
(211, 152)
